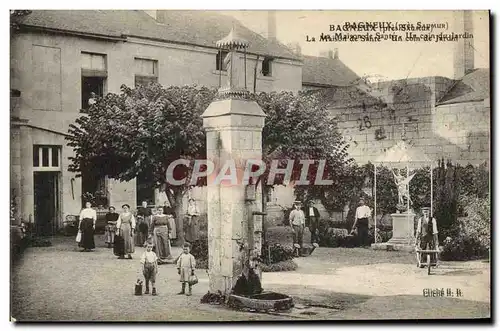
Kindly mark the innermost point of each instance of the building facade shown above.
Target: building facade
(59, 58)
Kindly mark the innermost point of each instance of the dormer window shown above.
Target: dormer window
(267, 67)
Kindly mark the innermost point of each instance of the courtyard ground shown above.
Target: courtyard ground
(59, 283)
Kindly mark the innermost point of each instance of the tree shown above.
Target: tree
(298, 128)
(140, 132)
(15, 19)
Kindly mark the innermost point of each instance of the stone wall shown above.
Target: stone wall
(466, 126)
(445, 131)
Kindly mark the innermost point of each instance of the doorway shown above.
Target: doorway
(47, 204)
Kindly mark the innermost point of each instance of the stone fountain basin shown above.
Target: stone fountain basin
(263, 301)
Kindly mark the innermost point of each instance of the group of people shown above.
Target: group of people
(125, 230)
(152, 228)
(299, 218)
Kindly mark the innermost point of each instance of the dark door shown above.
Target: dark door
(46, 194)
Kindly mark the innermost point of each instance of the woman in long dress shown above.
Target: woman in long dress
(192, 226)
(125, 227)
(88, 217)
(161, 236)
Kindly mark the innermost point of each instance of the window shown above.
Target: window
(266, 67)
(46, 157)
(219, 60)
(95, 62)
(94, 74)
(146, 71)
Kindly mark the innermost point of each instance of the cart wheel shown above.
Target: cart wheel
(428, 264)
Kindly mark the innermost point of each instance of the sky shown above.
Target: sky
(391, 60)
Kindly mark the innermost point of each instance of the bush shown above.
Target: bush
(199, 248)
(333, 237)
(469, 238)
(201, 264)
(276, 253)
(288, 265)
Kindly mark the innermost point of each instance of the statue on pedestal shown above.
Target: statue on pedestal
(403, 186)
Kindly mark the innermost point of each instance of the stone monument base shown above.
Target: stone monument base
(403, 238)
(388, 246)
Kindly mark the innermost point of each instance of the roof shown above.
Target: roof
(475, 86)
(344, 97)
(202, 28)
(327, 71)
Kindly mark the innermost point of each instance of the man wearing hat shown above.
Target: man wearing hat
(427, 232)
(312, 221)
(297, 222)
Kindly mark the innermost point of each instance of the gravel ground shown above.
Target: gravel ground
(59, 283)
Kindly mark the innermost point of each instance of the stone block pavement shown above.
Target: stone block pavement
(59, 283)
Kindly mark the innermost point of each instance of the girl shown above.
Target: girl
(111, 218)
(125, 227)
(88, 217)
(185, 267)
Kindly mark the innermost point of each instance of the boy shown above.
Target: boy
(297, 220)
(185, 267)
(149, 262)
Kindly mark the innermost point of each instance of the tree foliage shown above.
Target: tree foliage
(298, 128)
(141, 131)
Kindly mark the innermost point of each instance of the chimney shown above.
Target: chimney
(151, 13)
(336, 53)
(328, 54)
(271, 25)
(463, 57)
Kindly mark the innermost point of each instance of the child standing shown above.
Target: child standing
(149, 262)
(185, 267)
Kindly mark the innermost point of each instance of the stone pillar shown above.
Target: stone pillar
(27, 195)
(15, 171)
(234, 133)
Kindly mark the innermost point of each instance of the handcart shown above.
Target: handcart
(424, 258)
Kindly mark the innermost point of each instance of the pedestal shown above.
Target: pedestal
(274, 215)
(403, 237)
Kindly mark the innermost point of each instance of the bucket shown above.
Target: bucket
(138, 289)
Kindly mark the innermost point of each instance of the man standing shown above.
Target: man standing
(297, 222)
(427, 233)
(361, 220)
(312, 221)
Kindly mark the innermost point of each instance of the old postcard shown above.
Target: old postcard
(249, 165)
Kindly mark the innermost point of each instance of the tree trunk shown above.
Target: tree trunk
(175, 199)
(179, 217)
